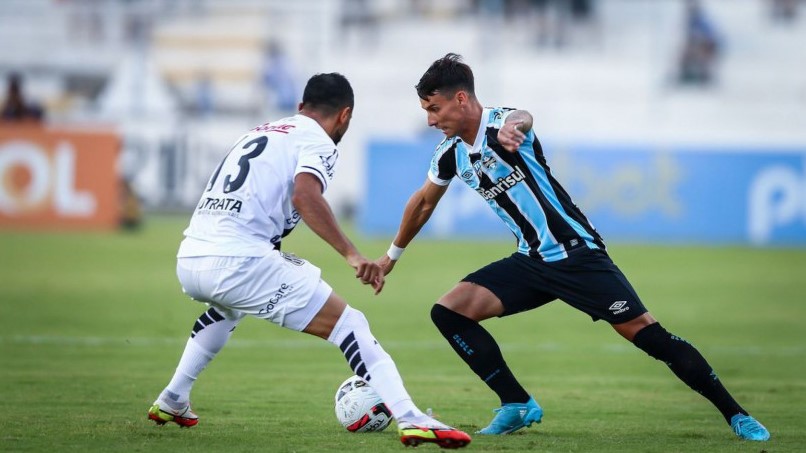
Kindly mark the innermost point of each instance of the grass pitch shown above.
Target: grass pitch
(92, 325)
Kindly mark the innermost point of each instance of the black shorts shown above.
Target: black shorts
(587, 280)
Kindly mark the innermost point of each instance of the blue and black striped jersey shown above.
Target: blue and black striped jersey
(519, 187)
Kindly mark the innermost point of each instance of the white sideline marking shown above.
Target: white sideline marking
(313, 343)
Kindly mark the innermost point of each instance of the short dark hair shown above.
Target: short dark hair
(328, 93)
(446, 75)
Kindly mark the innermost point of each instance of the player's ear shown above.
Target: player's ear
(345, 114)
(461, 97)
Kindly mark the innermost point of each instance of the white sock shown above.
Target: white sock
(369, 361)
(210, 333)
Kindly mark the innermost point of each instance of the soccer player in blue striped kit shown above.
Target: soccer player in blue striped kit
(560, 255)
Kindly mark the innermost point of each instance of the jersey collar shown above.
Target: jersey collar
(478, 143)
(314, 125)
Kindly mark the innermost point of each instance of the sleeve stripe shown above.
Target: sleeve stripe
(436, 180)
(318, 173)
(446, 163)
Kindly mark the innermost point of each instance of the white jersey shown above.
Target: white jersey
(246, 208)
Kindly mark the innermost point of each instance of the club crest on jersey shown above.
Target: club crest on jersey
(489, 162)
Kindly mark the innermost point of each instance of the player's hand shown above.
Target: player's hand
(367, 271)
(510, 136)
(386, 263)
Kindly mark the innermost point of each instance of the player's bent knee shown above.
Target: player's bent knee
(629, 329)
(350, 321)
(446, 319)
(438, 314)
(228, 313)
(472, 301)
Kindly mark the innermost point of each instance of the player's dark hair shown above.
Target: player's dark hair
(328, 93)
(446, 75)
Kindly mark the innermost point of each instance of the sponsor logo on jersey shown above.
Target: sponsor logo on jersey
(294, 220)
(618, 307)
(281, 128)
(504, 183)
(220, 206)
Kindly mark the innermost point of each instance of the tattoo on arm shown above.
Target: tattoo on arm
(522, 116)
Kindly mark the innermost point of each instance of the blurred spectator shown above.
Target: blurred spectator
(491, 14)
(15, 107)
(85, 21)
(204, 97)
(783, 10)
(551, 22)
(358, 18)
(489, 8)
(131, 215)
(581, 10)
(555, 21)
(701, 47)
(138, 21)
(280, 80)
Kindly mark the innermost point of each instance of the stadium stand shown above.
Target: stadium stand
(614, 79)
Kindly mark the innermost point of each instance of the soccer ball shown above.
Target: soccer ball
(359, 408)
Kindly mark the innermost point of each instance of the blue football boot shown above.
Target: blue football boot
(514, 416)
(748, 428)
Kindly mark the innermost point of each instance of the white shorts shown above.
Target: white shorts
(278, 287)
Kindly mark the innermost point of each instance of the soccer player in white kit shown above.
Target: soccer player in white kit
(273, 177)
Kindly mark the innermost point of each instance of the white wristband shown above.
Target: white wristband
(394, 252)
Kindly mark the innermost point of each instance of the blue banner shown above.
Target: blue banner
(693, 195)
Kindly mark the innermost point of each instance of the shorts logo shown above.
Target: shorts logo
(293, 259)
(618, 307)
(282, 292)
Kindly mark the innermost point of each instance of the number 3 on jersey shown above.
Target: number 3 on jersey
(232, 184)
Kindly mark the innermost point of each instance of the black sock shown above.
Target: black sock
(478, 348)
(687, 364)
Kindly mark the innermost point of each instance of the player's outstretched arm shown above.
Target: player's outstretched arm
(513, 132)
(418, 210)
(316, 213)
